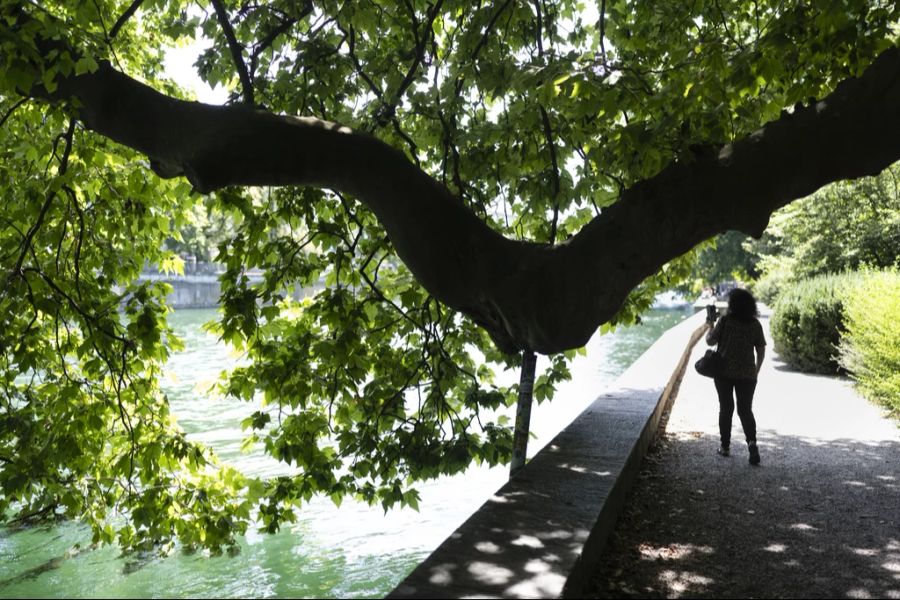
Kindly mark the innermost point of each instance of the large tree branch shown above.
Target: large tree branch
(235, 48)
(120, 22)
(528, 296)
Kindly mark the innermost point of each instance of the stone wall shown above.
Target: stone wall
(201, 289)
(541, 533)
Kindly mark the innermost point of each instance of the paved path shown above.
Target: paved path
(820, 518)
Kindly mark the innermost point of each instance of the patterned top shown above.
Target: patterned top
(736, 340)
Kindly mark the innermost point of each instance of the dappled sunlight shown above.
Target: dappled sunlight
(681, 582)
(671, 552)
(490, 574)
(573, 468)
(541, 585)
(527, 540)
(892, 565)
(531, 535)
(524, 577)
(537, 566)
(521, 555)
(859, 593)
(488, 548)
(584, 470)
(442, 574)
(820, 517)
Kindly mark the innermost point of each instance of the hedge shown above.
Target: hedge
(870, 347)
(808, 320)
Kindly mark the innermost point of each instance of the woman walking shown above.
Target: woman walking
(738, 334)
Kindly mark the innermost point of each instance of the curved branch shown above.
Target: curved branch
(548, 134)
(132, 8)
(13, 109)
(35, 227)
(285, 25)
(583, 281)
(418, 52)
(235, 48)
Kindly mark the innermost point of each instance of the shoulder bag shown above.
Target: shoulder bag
(711, 364)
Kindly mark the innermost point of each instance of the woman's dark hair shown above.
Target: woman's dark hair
(742, 304)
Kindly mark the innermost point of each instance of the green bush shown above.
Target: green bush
(808, 320)
(870, 347)
(767, 288)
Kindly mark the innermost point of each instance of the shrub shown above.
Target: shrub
(808, 320)
(767, 288)
(870, 348)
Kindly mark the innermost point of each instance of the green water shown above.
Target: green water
(353, 551)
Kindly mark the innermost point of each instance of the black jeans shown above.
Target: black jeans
(743, 389)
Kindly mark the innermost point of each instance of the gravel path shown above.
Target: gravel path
(820, 518)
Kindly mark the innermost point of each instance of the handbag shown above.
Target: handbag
(711, 364)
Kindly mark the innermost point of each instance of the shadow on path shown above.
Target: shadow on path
(819, 519)
(825, 523)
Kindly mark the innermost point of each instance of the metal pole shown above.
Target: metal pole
(523, 412)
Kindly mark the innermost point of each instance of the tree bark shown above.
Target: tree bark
(523, 413)
(528, 296)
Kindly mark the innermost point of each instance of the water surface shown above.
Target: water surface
(351, 551)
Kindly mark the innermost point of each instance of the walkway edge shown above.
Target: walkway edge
(579, 577)
(541, 533)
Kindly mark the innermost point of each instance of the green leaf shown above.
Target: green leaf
(85, 64)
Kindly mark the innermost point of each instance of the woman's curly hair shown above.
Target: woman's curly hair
(742, 304)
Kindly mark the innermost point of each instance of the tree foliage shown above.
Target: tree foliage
(725, 259)
(841, 227)
(534, 129)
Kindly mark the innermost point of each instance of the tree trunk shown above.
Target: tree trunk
(523, 412)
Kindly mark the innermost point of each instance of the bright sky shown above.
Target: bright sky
(179, 64)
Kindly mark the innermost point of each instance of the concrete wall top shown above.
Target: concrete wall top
(530, 538)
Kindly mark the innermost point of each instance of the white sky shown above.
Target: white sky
(179, 65)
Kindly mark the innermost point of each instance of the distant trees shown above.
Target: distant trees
(838, 228)
(725, 258)
(203, 231)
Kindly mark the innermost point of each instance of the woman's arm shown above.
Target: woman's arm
(760, 345)
(760, 355)
(712, 337)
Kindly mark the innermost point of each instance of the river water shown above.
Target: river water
(351, 551)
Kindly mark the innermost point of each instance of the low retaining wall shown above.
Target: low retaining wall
(196, 293)
(540, 535)
(203, 290)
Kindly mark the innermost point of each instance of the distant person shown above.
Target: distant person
(738, 334)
